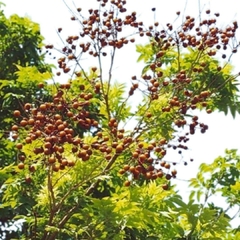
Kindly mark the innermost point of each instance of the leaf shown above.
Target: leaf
(5, 83)
(51, 229)
(178, 200)
(194, 183)
(166, 214)
(103, 177)
(205, 168)
(178, 229)
(5, 172)
(236, 187)
(10, 203)
(146, 52)
(199, 194)
(192, 194)
(145, 69)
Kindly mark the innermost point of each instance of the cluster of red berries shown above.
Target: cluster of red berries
(206, 39)
(101, 25)
(50, 125)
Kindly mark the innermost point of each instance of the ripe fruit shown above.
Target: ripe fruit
(14, 136)
(209, 111)
(168, 176)
(69, 114)
(23, 123)
(28, 140)
(16, 113)
(21, 157)
(135, 154)
(140, 145)
(148, 175)
(148, 115)
(127, 183)
(94, 69)
(66, 70)
(163, 152)
(32, 168)
(43, 107)
(167, 165)
(21, 166)
(119, 148)
(56, 167)
(71, 163)
(14, 128)
(41, 85)
(121, 171)
(19, 146)
(126, 167)
(108, 157)
(165, 186)
(64, 162)
(28, 179)
(51, 160)
(31, 121)
(142, 157)
(162, 141)
(150, 147)
(160, 174)
(27, 106)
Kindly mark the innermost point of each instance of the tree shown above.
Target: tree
(20, 47)
(22, 69)
(108, 180)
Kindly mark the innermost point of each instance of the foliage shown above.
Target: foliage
(20, 58)
(22, 69)
(20, 44)
(91, 165)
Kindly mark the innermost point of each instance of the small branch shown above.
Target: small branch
(35, 225)
(109, 165)
(52, 203)
(51, 192)
(63, 222)
(178, 57)
(76, 186)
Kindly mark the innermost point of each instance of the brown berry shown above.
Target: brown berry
(21, 166)
(16, 113)
(165, 186)
(127, 183)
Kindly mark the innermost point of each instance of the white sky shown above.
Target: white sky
(224, 132)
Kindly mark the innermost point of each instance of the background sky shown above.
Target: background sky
(224, 131)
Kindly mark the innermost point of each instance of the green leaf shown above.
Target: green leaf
(199, 194)
(178, 200)
(192, 194)
(179, 230)
(236, 187)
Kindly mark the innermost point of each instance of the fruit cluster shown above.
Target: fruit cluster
(206, 39)
(51, 125)
(103, 26)
(145, 164)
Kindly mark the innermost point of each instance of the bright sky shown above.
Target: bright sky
(224, 132)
